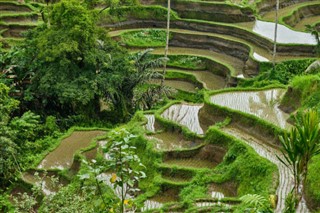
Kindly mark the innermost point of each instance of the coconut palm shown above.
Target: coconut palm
(299, 146)
(146, 95)
(275, 36)
(167, 43)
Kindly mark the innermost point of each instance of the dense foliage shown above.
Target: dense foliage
(18, 137)
(72, 65)
(282, 74)
(68, 71)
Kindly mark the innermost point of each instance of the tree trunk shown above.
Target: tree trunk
(275, 37)
(167, 44)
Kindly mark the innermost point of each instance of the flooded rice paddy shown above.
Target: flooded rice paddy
(263, 104)
(185, 115)
(259, 57)
(285, 176)
(168, 140)
(150, 122)
(210, 80)
(62, 156)
(284, 35)
(49, 182)
(177, 84)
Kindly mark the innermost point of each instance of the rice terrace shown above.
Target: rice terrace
(160, 106)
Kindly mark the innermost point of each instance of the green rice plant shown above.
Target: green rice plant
(145, 38)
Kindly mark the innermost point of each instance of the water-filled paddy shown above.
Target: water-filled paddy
(150, 122)
(48, 182)
(62, 156)
(259, 57)
(263, 104)
(172, 140)
(284, 35)
(185, 115)
(210, 80)
(177, 84)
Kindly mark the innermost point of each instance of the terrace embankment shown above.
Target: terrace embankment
(211, 11)
(246, 34)
(303, 15)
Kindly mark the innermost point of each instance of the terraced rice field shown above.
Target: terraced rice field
(177, 84)
(261, 147)
(248, 41)
(185, 115)
(62, 156)
(171, 141)
(190, 163)
(16, 18)
(263, 104)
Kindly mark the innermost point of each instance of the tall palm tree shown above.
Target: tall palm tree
(275, 36)
(167, 43)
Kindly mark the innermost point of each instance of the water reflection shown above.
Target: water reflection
(186, 115)
(263, 104)
(284, 35)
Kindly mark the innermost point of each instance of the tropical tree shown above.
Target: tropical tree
(125, 164)
(126, 169)
(73, 63)
(275, 36)
(299, 146)
(8, 149)
(167, 42)
(144, 94)
(17, 135)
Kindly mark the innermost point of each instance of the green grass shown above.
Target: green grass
(284, 72)
(144, 38)
(135, 12)
(303, 93)
(188, 62)
(183, 75)
(241, 164)
(313, 183)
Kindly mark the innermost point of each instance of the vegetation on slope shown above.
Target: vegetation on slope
(68, 65)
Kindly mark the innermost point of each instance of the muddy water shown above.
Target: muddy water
(259, 57)
(62, 156)
(150, 122)
(301, 25)
(263, 104)
(210, 80)
(284, 35)
(185, 115)
(220, 191)
(151, 204)
(176, 178)
(90, 154)
(285, 177)
(169, 195)
(177, 84)
(161, 198)
(48, 186)
(105, 178)
(171, 140)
